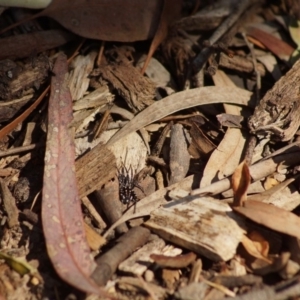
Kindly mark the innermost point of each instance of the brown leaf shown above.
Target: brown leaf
(200, 141)
(183, 100)
(271, 216)
(114, 20)
(275, 45)
(171, 10)
(61, 213)
(179, 261)
(240, 182)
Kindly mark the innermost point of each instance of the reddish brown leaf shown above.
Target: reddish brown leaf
(240, 182)
(108, 20)
(61, 213)
(271, 216)
(171, 11)
(179, 261)
(275, 45)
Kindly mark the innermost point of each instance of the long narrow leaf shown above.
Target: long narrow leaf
(61, 213)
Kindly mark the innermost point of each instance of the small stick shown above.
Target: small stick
(21, 149)
(108, 262)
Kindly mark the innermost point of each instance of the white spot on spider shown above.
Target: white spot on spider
(56, 91)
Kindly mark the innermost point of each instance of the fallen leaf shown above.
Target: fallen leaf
(271, 216)
(113, 20)
(62, 220)
(240, 182)
(226, 157)
(260, 243)
(171, 11)
(275, 45)
(179, 261)
(183, 100)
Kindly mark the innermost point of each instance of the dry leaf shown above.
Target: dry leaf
(114, 20)
(252, 249)
(178, 262)
(260, 243)
(183, 100)
(240, 182)
(171, 11)
(271, 216)
(227, 155)
(61, 211)
(275, 45)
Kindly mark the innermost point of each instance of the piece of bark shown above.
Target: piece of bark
(265, 293)
(179, 155)
(109, 204)
(24, 45)
(278, 112)
(108, 262)
(96, 98)
(193, 291)
(94, 169)
(237, 281)
(80, 69)
(9, 205)
(15, 80)
(240, 64)
(140, 260)
(133, 287)
(192, 224)
(138, 91)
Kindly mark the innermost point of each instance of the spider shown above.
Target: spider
(127, 182)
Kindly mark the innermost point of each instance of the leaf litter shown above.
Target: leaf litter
(214, 204)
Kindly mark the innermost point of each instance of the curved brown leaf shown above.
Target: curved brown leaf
(171, 11)
(183, 100)
(108, 20)
(271, 216)
(61, 213)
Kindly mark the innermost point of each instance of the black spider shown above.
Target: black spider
(127, 183)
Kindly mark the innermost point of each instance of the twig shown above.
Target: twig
(108, 262)
(21, 149)
(256, 71)
(222, 29)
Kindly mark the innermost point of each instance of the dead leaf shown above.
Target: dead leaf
(171, 11)
(10, 206)
(183, 100)
(227, 155)
(200, 141)
(275, 45)
(23, 45)
(114, 20)
(178, 262)
(240, 182)
(61, 212)
(260, 243)
(271, 216)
